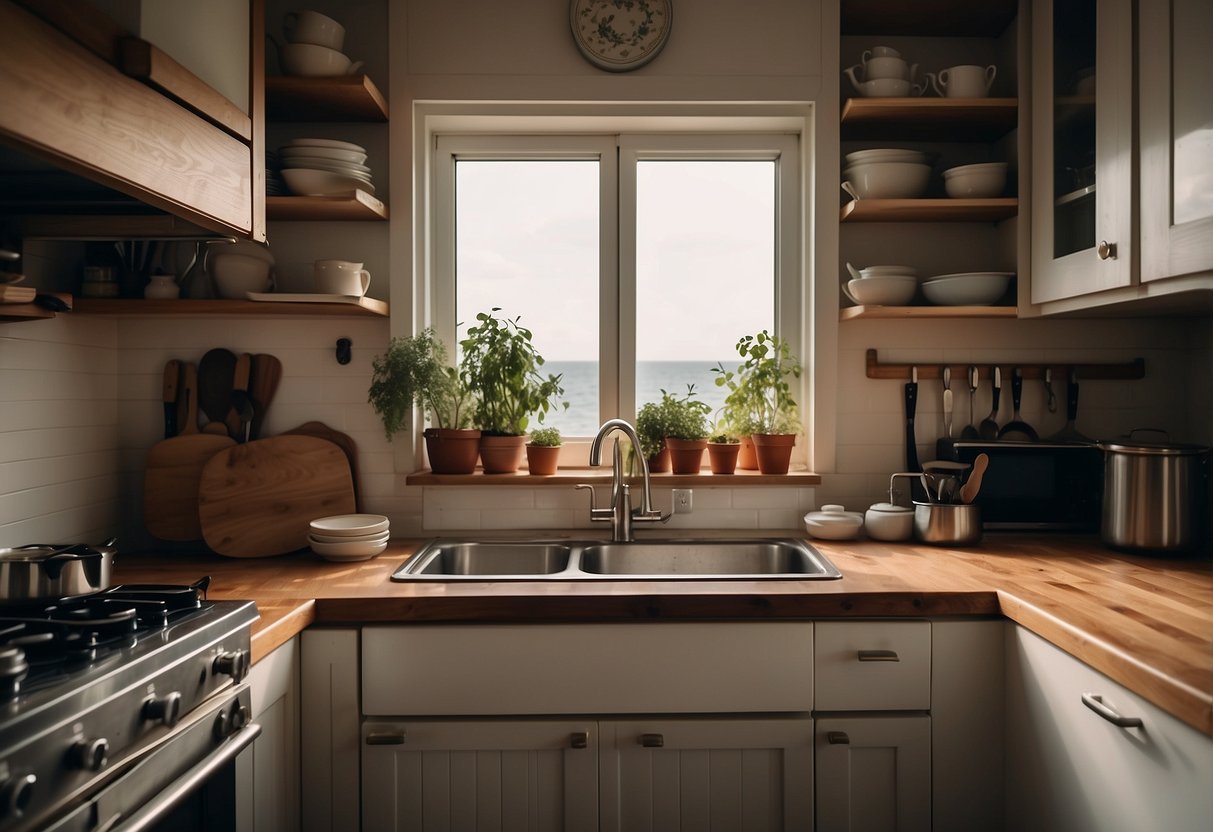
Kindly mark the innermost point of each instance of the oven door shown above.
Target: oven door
(184, 782)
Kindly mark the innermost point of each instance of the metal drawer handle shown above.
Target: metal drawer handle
(652, 740)
(837, 738)
(579, 739)
(386, 738)
(878, 656)
(1095, 702)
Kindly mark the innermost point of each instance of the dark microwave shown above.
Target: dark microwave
(1035, 485)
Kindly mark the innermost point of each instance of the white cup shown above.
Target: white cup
(313, 27)
(965, 81)
(341, 277)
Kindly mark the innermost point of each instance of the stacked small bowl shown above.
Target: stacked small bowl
(883, 286)
(324, 167)
(313, 47)
(980, 181)
(886, 173)
(349, 537)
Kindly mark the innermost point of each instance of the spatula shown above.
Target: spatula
(215, 372)
(267, 372)
(988, 429)
(1017, 428)
(970, 430)
(968, 491)
(1070, 433)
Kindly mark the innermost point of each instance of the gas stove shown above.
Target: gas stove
(93, 687)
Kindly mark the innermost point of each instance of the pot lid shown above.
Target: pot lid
(1153, 448)
(890, 508)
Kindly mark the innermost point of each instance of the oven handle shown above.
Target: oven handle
(179, 789)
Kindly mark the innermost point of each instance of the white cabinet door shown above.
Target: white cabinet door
(330, 730)
(1176, 139)
(873, 773)
(744, 775)
(1082, 147)
(1069, 769)
(449, 776)
(267, 781)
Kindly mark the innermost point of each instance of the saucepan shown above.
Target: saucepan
(47, 571)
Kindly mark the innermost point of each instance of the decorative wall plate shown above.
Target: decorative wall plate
(620, 35)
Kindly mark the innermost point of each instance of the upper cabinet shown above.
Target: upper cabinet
(80, 91)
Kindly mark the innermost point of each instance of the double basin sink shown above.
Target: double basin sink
(587, 560)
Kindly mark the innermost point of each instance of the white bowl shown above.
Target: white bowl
(361, 538)
(307, 182)
(888, 180)
(347, 551)
(966, 289)
(878, 271)
(332, 154)
(237, 274)
(305, 157)
(885, 154)
(312, 61)
(331, 144)
(833, 523)
(976, 181)
(883, 290)
(884, 88)
(344, 168)
(886, 521)
(349, 524)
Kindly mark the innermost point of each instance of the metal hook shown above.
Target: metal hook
(343, 350)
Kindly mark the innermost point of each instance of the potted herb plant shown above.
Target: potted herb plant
(414, 373)
(686, 430)
(543, 451)
(723, 448)
(501, 364)
(760, 398)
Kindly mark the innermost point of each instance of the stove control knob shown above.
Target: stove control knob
(163, 709)
(15, 795)
(232, 663)
(90, 755)
(239, 716)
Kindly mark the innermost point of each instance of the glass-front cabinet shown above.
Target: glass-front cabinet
(1082, 151)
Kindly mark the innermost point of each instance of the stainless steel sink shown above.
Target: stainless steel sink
(584, 560)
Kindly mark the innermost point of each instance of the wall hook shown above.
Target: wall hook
(343, 350)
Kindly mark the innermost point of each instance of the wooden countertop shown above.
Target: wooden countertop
(1145, 622)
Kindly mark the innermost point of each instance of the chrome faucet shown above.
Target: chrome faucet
(620, 514)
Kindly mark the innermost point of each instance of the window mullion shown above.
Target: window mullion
(626, 319)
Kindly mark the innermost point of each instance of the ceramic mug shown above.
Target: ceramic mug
(315, 28)
(965, 81)
(341, 277)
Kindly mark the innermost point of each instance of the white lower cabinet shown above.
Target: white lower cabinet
(1072, 768)
(267, 772)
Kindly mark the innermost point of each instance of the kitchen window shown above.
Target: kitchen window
(637, 260)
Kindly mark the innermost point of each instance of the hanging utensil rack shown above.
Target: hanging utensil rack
(1134, 369)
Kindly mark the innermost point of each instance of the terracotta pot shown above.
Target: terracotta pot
(722, 456)
(746, 461)
(501, 454)
(452, 451)
(542, 459)
(686, 455)
(659, 463)
(774, 451)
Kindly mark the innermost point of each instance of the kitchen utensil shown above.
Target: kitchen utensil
(215, 372)
(833, 522)
(854, 272)
(947, 401)
(911, 402)
(1050, 396)
(257, 499)
(970, 430)
(1070, 433)
(187, 400)
(1017, 428)
(241, 414)
(266, 373)
(1154, 496)
(171, 478)
(941, 524)
(968, 492)
(988, 429)
(172, 378)
(322, 431)
(941, 486)
(39, 572)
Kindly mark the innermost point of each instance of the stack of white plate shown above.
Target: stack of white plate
(886, 173)
(966, 288)
(349, 537)
(324, 167)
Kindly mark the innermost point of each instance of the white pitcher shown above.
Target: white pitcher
(964, 81)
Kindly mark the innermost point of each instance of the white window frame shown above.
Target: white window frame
(618, 152)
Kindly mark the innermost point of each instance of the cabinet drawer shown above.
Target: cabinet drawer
(873, 665)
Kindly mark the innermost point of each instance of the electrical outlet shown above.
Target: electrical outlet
(682, 500)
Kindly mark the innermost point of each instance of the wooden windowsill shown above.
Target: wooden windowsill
(567, 477)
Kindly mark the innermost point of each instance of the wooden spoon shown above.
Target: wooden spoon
(968, 491)
(267, 372)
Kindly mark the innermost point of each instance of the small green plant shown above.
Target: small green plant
(723, 439)
(546, 437)
(502, 366)
(414, 373)
(679, 417)
(760, 393)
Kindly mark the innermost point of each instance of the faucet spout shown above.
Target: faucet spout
(608, 427)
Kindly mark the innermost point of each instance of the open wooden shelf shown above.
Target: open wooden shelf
(13, 312)
(365, 307)
(916, 119)
(343, 98)
(354, 206)
(934, 18)
(851, 313)
(930, 210)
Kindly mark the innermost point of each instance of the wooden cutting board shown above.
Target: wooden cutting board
(257, 499)
(171, 478)
(343, 441)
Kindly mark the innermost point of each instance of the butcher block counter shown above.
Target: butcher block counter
(1145, 622)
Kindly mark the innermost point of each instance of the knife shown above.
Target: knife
(947, 401)
(911, 406)
(172, 377)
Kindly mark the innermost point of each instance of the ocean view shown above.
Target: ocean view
(580, 382)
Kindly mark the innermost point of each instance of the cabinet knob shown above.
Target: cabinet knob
(837, 738)
(579, 739)
(1106, 250)
(652, 740)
